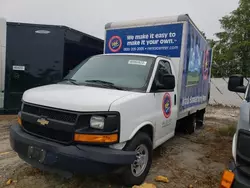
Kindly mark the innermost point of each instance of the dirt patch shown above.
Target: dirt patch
(196, 159)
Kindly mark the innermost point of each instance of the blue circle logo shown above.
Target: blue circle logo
(166, 105)
(115, 43)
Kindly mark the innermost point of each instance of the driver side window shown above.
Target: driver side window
(163, 69)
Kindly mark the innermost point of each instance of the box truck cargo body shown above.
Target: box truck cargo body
(35, 55)
(116, 108)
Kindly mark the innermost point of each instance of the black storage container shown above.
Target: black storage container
(37, 55)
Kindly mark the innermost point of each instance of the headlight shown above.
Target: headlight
(97, 122)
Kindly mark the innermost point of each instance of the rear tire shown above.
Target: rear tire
(136, 173)
(190, 124)
(200, 118)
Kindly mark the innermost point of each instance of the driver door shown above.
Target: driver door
(165, 103)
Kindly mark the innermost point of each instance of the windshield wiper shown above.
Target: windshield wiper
(105, 83)
(71, 81)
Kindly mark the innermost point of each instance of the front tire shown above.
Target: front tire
(136, 173)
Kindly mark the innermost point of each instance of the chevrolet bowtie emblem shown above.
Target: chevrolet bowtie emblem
(43, 121)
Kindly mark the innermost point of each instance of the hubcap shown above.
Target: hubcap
(141, 161)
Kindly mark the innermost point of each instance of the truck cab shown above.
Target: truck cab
(109, 112)
(239, 168)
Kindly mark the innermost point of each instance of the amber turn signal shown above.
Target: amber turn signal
(227, 179)
(19, 120)
(111, 138)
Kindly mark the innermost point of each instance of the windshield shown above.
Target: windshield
(123, 71)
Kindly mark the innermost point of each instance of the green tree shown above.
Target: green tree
(232, 50)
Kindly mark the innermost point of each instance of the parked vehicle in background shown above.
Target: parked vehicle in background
(34, 55)
(113, 109)
(238, 173)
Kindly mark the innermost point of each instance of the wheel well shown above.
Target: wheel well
(148, 129)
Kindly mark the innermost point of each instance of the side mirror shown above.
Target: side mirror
(236, 84)
(168, 82)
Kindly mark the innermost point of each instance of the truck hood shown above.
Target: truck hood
(73, 97)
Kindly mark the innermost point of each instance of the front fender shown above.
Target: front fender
(141, 126)
(136, 111)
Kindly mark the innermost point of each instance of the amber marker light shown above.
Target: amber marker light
(227, 179)
(19, 120)
(111, 138)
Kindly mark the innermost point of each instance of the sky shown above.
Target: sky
(90, 16)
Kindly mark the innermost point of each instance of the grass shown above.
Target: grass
(227, 131)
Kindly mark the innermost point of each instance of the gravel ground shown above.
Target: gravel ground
(196, 159)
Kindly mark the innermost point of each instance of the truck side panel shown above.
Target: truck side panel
(196, 71)
(180, 69)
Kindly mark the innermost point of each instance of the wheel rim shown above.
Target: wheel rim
(140, 164)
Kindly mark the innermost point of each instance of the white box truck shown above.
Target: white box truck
(113, 109)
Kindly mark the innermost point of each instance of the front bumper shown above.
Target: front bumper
(71, 158)
(240, 180)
